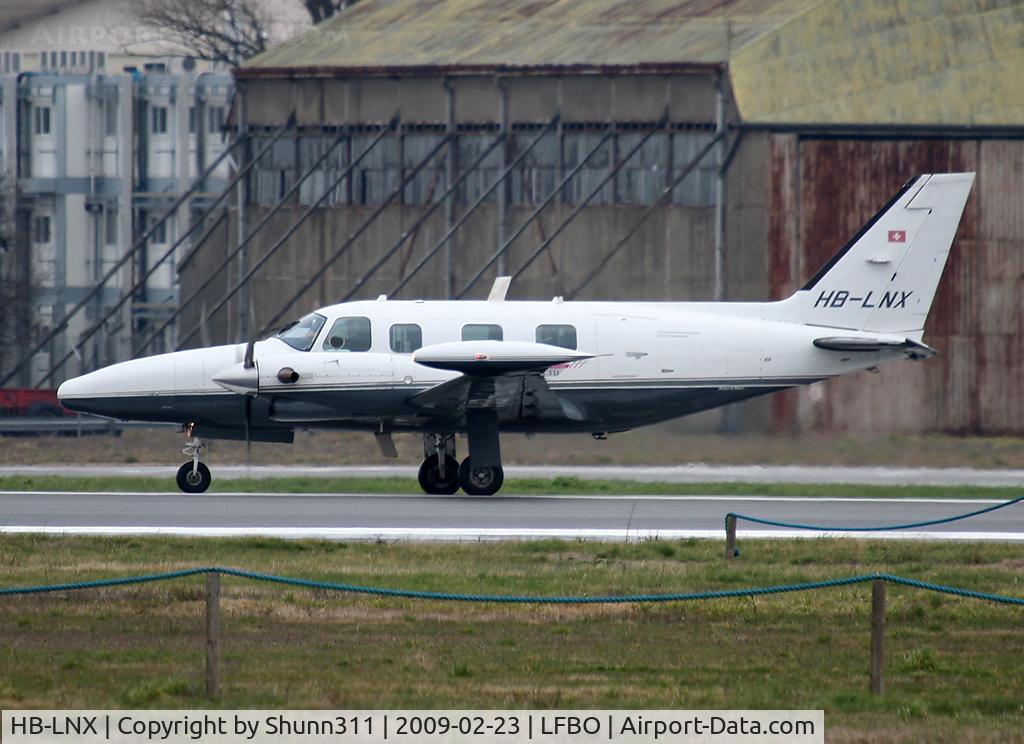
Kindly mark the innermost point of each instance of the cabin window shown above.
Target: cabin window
(300, 334)
(349, 334)
(482, 332)
(557, 335)
(406, 338)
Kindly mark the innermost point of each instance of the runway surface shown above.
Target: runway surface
(402, 517)
(694, 473)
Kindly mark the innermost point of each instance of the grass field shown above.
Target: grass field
(664, 444)
(513, 486)
(952, 669)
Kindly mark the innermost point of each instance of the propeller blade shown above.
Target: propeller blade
(250, 348)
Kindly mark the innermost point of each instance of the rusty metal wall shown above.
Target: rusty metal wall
(820, 191)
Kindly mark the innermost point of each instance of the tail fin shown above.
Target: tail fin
(884, 279)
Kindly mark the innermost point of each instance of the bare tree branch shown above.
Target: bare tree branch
(321, 10)
(228, 31)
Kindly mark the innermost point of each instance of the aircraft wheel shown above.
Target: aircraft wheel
(430, 476)
(196, 482)
(480, 481)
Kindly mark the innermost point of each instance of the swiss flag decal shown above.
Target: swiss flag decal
(897, 236)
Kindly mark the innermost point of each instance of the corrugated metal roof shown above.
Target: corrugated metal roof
(935, 62)
(385, 35)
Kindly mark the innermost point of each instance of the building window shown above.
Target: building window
(41, 229)
(42, 120)
(557, 335)
(349, 334)
(159, 120)
(215, 119)
(193, 119)
(159, 227)
(110, 117)
(110, 226)
(405, 338)
(482, 332)
(11, 62)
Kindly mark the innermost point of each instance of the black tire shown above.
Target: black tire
(197, 482)
(430, 476)
(480, 481)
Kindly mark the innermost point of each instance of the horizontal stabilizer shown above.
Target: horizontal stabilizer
(491, 358)
(913, 349)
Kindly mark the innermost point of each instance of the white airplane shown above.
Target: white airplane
(478, 368)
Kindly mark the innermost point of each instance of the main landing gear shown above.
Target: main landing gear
(194, 476)
(441, 473)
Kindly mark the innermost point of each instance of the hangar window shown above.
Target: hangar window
(377, 174)
(349, 334)
(557, 335)
(405, 338)
(313, 147)
(537, 174)
(482, 332)
(428, 184)
(697, 189)
(275, 172)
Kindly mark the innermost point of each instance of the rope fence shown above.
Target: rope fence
(732, 518)
(213, 592)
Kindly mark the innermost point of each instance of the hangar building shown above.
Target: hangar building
(656, 149)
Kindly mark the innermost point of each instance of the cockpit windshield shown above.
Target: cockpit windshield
(300, 334)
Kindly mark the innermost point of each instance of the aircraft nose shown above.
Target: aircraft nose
(239, 379)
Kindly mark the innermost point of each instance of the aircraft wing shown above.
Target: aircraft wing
(505, 377)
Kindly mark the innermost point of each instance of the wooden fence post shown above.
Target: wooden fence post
(877, 634)
(212, 634)
(730, 537)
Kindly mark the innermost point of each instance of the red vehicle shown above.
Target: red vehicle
(30, 402)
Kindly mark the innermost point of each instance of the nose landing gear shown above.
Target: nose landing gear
(194, 476)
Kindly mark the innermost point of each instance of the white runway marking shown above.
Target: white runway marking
(469, 534)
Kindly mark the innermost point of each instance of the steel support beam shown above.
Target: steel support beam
(150, 270)
(719, 190)
(503, 190)
(476, 205)
(536, 212)
(241, 235)
(421, 219)
(593, 192)
(665, 194)
(91, 331)
(140, 244)
(317, 275)
(450, 206)
(291, 230)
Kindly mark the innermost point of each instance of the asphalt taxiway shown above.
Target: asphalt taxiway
(404, 517)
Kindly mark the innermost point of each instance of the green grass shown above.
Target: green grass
(952, 668)
(513, 486)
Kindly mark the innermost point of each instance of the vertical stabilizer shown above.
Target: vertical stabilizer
(884, 279)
